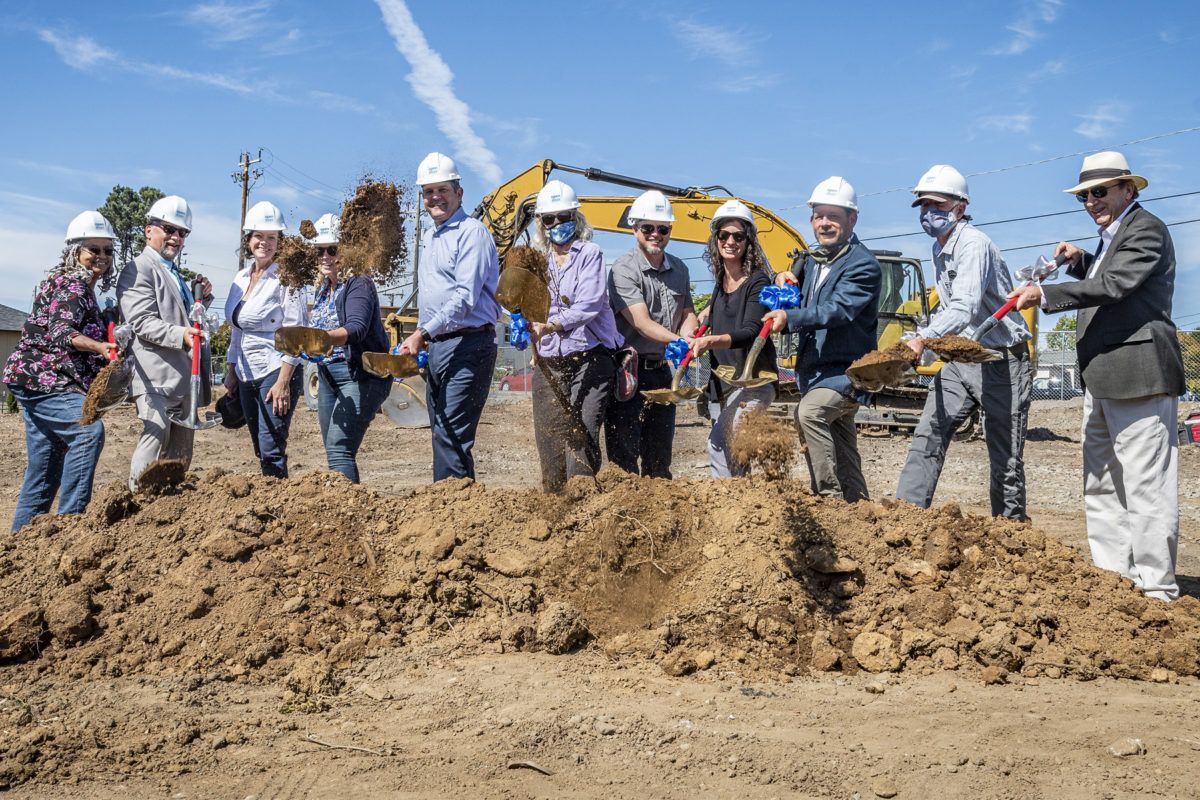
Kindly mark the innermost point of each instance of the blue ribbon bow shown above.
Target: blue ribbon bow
(675, 351)
(518, 331)
(780, 297)
(422, 359)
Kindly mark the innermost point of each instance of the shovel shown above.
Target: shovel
(391, 364)
(970, 351)
(297, 341)
(677, 394)
(191, 417)
(877, 369)
(775, 298)
(111, 386)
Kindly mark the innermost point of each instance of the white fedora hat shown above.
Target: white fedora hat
(1099, 168)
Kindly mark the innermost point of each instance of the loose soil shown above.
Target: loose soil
(307, 229)
(522, 256)
(631, 636)
(958, 348)
(109, 388)
(372, 234)
(886, 367)
(765, 443)
(297, 260)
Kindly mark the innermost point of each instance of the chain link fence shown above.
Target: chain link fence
(1057, 373)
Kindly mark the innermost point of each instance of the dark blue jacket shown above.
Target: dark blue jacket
(838, 322)
(358, 311)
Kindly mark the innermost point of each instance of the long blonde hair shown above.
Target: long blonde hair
(539, 240)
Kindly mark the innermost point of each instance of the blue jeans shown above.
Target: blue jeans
(346, 407)
(268, 431)
(62, 454)
(456, 387)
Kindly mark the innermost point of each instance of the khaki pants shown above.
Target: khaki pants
(1131, 488)
(160, 437)
(826, 419)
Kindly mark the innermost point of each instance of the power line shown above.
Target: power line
(1027, 219)
(297, 170)
(1092, 237)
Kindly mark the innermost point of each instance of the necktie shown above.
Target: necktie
(188, 300)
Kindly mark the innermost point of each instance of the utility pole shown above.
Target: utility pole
(244, 175)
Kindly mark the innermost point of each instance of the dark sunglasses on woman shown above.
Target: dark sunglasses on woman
(550, 220)
(738, 237)
(99, 251)
(330, 249)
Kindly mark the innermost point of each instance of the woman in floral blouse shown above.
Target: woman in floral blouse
(62, 349)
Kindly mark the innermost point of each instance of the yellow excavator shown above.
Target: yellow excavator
(904, 301)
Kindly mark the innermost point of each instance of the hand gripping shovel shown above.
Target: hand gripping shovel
(960, 348)
(111, 386)
(677, 393)
(392, 364)
(190, 418)
(775, 298)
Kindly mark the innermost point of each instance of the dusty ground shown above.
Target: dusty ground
(446, 714)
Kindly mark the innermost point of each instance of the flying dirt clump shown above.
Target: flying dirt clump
(524, 257)
(99, 395)
(297, 261)
(765, 443)
(307, 229)
(957, 348)
(372, 233)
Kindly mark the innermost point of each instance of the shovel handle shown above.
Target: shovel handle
(687, 359)
(765, 330)
(196, 350)
(112, 339)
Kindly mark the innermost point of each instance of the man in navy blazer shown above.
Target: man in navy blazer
(837, 319)
(1132, 372)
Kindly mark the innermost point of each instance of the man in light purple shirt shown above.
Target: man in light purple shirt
(456, 319)
(574, 381)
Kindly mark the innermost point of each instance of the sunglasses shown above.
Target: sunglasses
(646, 229)
(738, 237)
(330, 249)
(1097, 192)
(171, 230)
(550, 220)
(99, 251)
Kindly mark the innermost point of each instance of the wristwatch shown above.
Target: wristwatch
(424, 333)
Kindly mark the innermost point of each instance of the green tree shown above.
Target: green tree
(1063, 341)
(220, 342)
(126, 209)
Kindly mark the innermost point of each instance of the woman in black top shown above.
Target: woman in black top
(735, 317)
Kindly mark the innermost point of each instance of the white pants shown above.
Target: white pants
(1131, 488)
(160, 437)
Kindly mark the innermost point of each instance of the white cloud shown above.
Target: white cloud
(733, 48)
(1003, 123)
(1029, 26)
(340, 102)
(234, 22)
(79, 52)
(431, 81)
(1101, 122)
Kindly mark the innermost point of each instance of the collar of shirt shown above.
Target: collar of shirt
(948, 248)
(1108, 232)
(451, 224)
(645, 264)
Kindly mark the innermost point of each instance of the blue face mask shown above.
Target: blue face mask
(937, 222)
(562, 233)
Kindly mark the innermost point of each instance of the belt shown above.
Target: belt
(1017, 350)
(649, 362)
(462, 332)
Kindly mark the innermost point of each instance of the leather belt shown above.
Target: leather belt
(649, 362)
(441, 337)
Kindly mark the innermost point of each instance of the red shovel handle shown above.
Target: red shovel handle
(112, 339)
(687, 359)
(765, 331)
(196, 350)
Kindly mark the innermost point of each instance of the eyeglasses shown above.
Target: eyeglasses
(550, 220)
(171, 230)
(330, 249)
(98, 251)
(647, 229)
(738, 237)
(1097, 192)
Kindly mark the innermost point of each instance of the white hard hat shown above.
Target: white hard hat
(437, 168)
(733, 209)
(941, 182)
(264, 216)
(329, 230)
(834, 191)
(90, 225)
(555, 196)
(172, 210)
(651, 206)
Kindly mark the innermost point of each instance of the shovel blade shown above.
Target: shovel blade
(520, 289)
(727, 374)
(405, 406)
(671, 396)
(297, 339)
(190, 417)
(386, 365)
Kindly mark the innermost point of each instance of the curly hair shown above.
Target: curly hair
(539, 240)
(754, 258)
(70, 266)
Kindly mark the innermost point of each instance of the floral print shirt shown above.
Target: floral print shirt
(44, 361)
(324, 314)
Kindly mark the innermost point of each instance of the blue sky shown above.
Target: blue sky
(766, 99)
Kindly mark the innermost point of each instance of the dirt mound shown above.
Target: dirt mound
(286, 584)
(957, 348)
(101, 395)
(372, 237)
(297, 261)
(765, 443)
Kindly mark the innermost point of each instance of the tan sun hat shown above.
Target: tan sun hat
(1099, 168)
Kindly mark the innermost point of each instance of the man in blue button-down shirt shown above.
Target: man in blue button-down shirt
(456, 319)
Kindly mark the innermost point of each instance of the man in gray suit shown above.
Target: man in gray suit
(1133, 374)
(157, 302)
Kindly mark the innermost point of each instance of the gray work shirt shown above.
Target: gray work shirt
(666, 293)
(973, 283)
